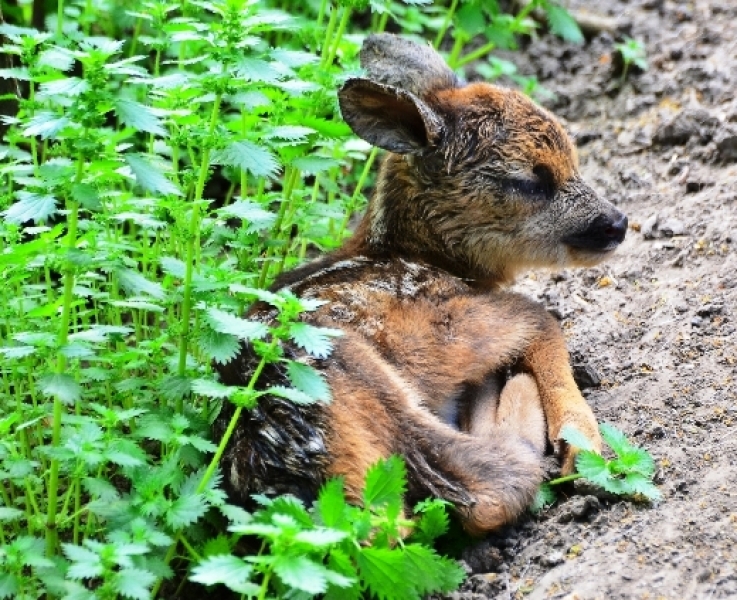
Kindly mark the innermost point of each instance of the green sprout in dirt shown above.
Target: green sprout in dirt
(629, 474)
(633, 53)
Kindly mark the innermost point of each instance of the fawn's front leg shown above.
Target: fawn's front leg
(547, 359)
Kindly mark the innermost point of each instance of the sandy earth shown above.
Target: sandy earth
(655, 326)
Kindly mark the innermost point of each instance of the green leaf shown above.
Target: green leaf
(301, 573)
(428, 572)
(243, 329)
(385, 482)
(225, 569)
(86, 195)
(30, 207)
(290, 134)
(382, 570)
(595, 468)
(575, 438)
(149, 177)
(185, 510)
(134, 583)
(291, 394)
(217, 346)
(257, 70)
(212, 389)
(320, 537)
(256, 218)
(563, 24)
(471, 18)
(45, 124)
(314, 165)
(640, 484)
(9, 585)
(308, 380)
(57, 58)
(61, 386)
(545, 496)
(249, 157)
(331, 503)
(86, 563)
(8, 514)
(138, 116)
(135, 284)
(433, 521)
(174, 387)
(315, 340)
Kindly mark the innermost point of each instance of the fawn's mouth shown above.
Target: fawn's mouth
(601, 236)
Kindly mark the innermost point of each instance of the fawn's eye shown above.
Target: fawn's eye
(541, 186)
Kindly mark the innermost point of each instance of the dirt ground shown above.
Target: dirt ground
(652, 331)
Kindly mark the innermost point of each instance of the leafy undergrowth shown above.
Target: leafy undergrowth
(167, 160)
(628, 474)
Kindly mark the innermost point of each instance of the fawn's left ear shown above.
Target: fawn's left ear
(389, 117)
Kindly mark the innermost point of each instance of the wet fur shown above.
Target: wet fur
(437, 363)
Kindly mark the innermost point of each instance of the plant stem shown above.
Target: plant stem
(192, 242)
(565, 479)
(446, 23)
(475, 55)
(338, 36)
(52, 536)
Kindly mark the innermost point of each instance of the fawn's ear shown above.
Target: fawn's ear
(389, 117)
(401, 63)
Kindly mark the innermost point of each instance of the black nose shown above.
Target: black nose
(602, 234)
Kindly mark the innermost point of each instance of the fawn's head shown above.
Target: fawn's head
(480, 180)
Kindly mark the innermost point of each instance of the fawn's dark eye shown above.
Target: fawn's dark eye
(541, 186)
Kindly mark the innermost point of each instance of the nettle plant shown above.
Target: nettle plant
(167, 161)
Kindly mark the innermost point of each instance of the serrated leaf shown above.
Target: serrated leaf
(256, 218)
(62, 386)
(291, 394)
(308, 380)
(100, 489)
(640, 484)
(320, 537)
(617, 441)
(385, 482)
(595, 468)
(67, 86)
(57, 58)
(382, 570)
(256, 69)
(544, 497)
(217, 346)
(428, 572)
(293, 134)
(331, 503)
(134, 583)
(251, 100)
(243, 329)
(212, 389)
(139, 116)
(85, 562)
(45, 124)
(150, 177)
(563, 24)
(575, 438)
(433, 522)
(174, 387)
(30, 207)
(9, 585)
(315, 340)
(221, 569)
(86, 195)
(173, 266)
(301, 573)
(135, 284)
(293, 58)
(247, 156)
(313, 165)
(9, 514)
(185, 510)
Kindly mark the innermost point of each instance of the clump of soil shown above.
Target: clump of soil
(652, 331)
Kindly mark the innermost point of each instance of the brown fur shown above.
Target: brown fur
(437, 363)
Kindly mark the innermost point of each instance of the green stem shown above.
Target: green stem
(456, 50)
(565, 479)
(357, 191)
(59, 17)
(446, 23)
(52, 535)
(476, 54)
(192, 242)
(328, 36)
(338, 36)
(265, 585)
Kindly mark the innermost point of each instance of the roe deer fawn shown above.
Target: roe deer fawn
(437, 363)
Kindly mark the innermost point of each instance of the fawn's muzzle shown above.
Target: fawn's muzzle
(603, 234)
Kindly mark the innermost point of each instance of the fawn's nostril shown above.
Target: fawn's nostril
(618, 229)
(602, 234)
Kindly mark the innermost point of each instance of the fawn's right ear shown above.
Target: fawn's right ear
(389, 117)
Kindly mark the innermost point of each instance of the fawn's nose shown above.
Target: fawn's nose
(602, 234)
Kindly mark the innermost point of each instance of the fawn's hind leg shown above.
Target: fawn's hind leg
(512, 406)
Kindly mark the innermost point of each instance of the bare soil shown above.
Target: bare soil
(652, 331)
